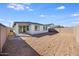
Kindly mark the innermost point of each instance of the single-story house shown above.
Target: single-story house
(29, 27)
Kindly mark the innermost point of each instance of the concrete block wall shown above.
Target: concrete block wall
(3, 36)
(76, 33)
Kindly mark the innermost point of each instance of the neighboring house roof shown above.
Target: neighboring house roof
(50, 24)
(27, 23)
(2, 25)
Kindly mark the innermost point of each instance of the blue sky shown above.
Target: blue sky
(58, 13)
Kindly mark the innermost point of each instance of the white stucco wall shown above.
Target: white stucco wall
(41, 28)
(32, 29)
(36, 32)
(15, 29)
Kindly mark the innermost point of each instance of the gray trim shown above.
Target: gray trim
(27, 23)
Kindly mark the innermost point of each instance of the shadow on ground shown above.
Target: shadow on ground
(44, 34)
(18, 47)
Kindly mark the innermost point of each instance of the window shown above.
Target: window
(27, 28)
(24, 29)
(44, 27)
(20, 29)
(36, 28)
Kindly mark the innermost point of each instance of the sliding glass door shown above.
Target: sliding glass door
(23, 29)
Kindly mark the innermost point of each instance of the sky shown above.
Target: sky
(66, 14)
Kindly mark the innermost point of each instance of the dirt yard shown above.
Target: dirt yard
(48, 44)
(59, 44)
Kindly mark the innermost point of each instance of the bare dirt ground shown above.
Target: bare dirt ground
(56, 44)
(60, 44)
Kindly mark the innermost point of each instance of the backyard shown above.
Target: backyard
(57, 44)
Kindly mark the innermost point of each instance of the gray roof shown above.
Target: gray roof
(27, 23)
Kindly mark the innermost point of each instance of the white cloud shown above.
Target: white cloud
(75, 14)
(47, 16)
(61, 7)
(28, 8)
(43, 15)
(6, 22)
(16, 6)
(10, 6)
